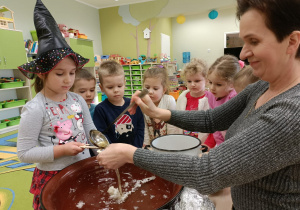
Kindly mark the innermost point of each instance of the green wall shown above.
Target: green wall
(117, 36)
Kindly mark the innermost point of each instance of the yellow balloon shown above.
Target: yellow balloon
(180, 19)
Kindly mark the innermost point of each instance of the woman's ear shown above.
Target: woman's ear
(294, 41)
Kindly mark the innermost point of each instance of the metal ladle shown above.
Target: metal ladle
(100, 141)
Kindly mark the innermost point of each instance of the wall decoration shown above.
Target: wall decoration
(186, 57)
(147, 33)
(213, 14)
(180, 19)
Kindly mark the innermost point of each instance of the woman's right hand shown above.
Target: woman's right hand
(148, 107)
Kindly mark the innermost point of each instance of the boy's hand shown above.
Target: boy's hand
(68, 149)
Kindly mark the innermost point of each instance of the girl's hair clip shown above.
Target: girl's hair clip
(242, 63)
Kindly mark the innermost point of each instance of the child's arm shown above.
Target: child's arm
(146, 135)
(100, 118)
(139, 138)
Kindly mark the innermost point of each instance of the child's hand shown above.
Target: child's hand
(68, 149)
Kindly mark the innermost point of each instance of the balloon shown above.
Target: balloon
(213, 14)
(180, 19)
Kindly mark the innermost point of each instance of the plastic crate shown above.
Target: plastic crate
(128, 87)
(13, 103)
(135, 67)
(137, 87)
(128, 83)
(126, 67)
(1, 104)
(146, 66)
(136, 82)
(136, 78)
(127, 78)
(136, 72)
(11, 84)
(127, 72)
(3, 125)
(13, 122)
(127, 93)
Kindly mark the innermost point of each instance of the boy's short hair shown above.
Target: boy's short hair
(195, 66)
(109, 68)
(83, 74)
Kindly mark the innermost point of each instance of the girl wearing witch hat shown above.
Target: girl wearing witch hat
(49, 134)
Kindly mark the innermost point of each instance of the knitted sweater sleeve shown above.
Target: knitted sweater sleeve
(247, 155)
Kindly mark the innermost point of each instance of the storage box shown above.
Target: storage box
(146, 66)
(136, 82)
(127, 72)
(128, 83)
(11, 84)
(135, 67)
(127, 78)
(136, 72)
(127, 92)
(3, 125)
(126, 67)
(139, 87)
(136, 77)
(128, 87)
(13, 103)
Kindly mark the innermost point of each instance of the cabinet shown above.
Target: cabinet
(12, 51)
(12, 54)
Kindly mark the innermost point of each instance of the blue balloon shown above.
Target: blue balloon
(213, 14)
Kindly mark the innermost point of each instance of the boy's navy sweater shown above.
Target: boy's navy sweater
(129, 129)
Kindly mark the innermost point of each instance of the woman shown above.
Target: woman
(260, 158)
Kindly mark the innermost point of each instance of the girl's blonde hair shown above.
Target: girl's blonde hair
(226, 67)
(195, 66)
(158, 71)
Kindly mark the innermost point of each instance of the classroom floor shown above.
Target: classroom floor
(15, 176)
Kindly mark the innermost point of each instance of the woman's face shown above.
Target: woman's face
(265, 54)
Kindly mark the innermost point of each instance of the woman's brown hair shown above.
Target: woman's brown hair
(282, 16)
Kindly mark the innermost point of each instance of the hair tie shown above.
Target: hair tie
(242, 63)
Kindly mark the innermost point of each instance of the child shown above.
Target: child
(157, 82)
(56, 122)
(220, 80)
(243, 78)
(194, 75)
(85, 85)
(129, 128)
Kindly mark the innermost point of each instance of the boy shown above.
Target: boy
(84, 85)
(129, 128)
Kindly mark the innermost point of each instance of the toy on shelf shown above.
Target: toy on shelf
(64, 30)
(73, 33)
(81, 36)
(142, 59)
(4, 21)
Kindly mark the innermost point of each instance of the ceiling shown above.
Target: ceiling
(172, 9)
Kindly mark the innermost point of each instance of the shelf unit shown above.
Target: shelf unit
(134, 77)
(12, 54)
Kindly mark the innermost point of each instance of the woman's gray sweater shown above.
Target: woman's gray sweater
(260, 158)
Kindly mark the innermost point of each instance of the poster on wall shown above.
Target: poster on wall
(186, 57)
(165, 46)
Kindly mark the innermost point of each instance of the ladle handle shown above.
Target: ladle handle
(141, 95)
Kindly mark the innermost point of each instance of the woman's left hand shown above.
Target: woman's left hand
(116, 155)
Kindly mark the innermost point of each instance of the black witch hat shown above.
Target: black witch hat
(52, 47)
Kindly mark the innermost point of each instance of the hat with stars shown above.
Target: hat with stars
(52, 47)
